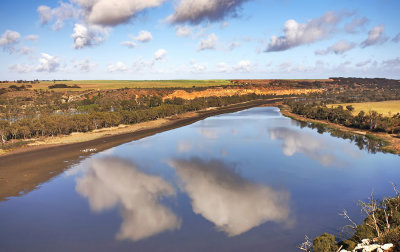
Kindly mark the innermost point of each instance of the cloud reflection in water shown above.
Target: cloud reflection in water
(294, 141)
(113, 181)
(233, 203)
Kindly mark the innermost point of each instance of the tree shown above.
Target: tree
(350, 108)
(4, 131)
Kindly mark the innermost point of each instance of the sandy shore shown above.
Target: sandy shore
(23, 169)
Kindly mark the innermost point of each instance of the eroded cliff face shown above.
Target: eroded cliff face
(219, 92)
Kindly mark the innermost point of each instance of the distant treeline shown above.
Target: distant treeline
(63, 86)
(370, 121)
(92, 116)
(367, 82)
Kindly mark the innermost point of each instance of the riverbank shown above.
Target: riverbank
(392, 143)
(23, 169)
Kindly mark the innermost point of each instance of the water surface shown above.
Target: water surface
(250, 180)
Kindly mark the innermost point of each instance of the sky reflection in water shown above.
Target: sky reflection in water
(249, 180)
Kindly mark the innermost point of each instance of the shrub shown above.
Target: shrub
(325, 243)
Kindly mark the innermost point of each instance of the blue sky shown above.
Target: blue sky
(202, 39)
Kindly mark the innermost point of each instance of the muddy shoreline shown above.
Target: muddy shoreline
(22, 170)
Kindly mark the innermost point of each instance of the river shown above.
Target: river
(250, 180)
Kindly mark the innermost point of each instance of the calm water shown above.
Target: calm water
(251, 180)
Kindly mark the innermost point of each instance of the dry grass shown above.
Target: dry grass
(387, 108)
(116, 84)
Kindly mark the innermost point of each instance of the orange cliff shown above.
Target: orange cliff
(219, 92)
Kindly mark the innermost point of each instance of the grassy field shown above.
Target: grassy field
(115, 84)
(387, 108)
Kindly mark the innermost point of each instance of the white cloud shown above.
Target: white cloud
(85, 65)
(118, 67)
(111, 13)
(243, 66)
(197, 11)
(129, 44)
(22, 68)
(84, 36)
(234, 204)
(32, 37)
(208, 43)
(355, 24)
(112, 182)
(48, 63)
(339, 47)
(375, 36)
(62, 13)
(160, 54)
(297, 34)
(183, 31)
(144, 36)
(9, 39)
(295, 142)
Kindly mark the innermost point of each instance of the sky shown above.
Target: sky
(198, 39)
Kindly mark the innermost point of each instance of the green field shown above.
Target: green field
(115, 84)
(387, 108)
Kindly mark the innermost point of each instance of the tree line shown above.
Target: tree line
(371, 120)
(94, 116)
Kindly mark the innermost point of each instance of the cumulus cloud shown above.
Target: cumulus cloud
(118, 67)
(32, 37)
(243, 66)
(111, 13)
(9, 39)
(355, 24)
(208, 43)
(160, 54)
(85, 65)
(112, 182)
(296, 142)
(197, 11)
(48, 63)
(183, 31)
(62, 13)
(297, 34)
(396, 39)
(375, 36)
(144, 36)
(88, 36)
(339, 47)
(234, 204)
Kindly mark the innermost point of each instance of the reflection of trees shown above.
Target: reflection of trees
(114, 182)
(233, 203)
(370, 144)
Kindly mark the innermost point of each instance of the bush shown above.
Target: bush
(325, 243)
(348, 244)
